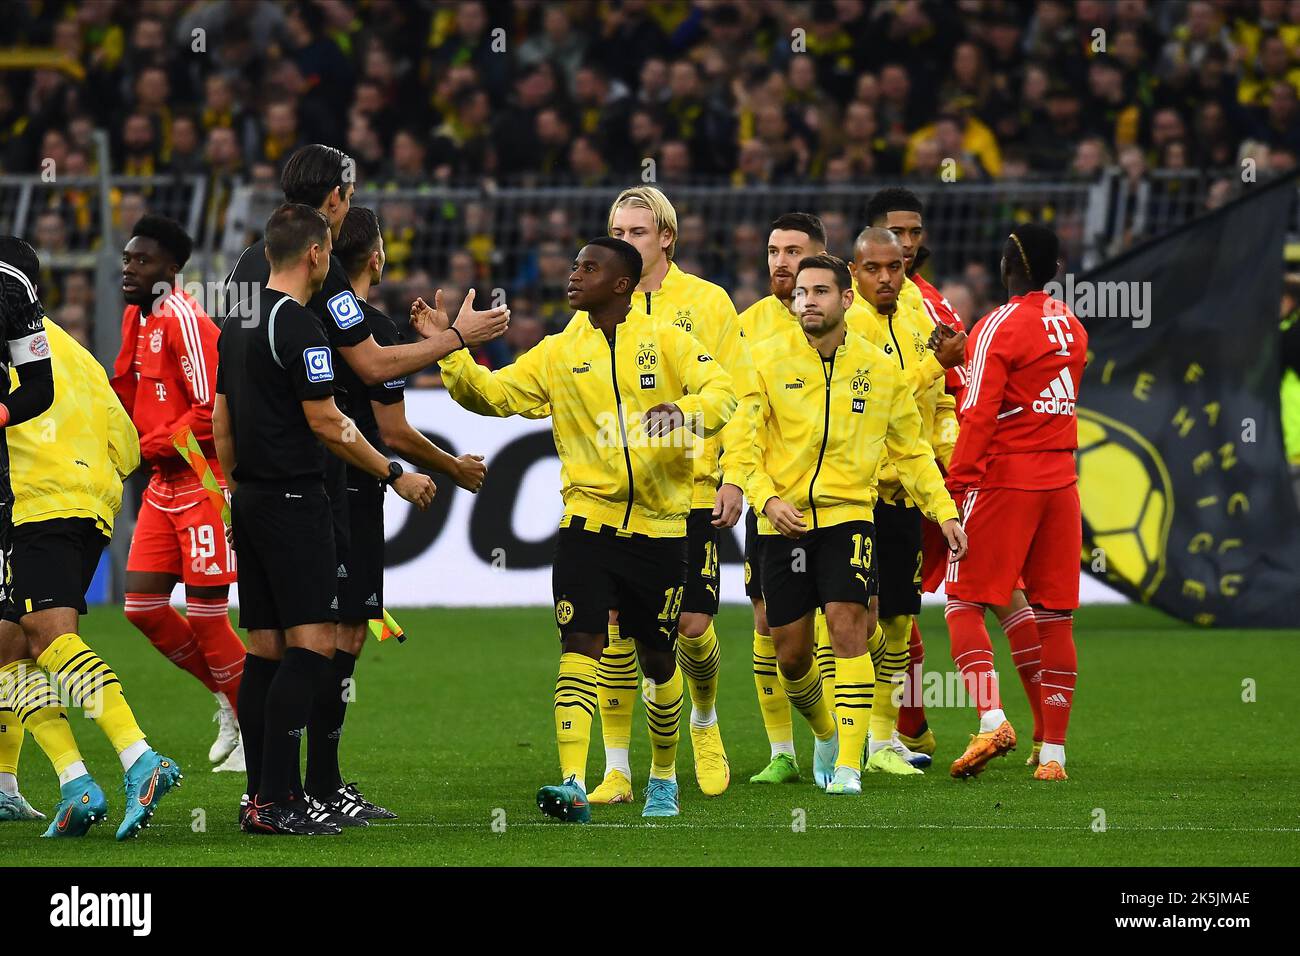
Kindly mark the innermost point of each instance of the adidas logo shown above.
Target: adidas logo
(334, 604)
(343, 571)
(372, 601)
(1057, 700)
(1058, 398)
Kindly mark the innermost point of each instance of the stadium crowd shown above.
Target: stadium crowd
(583, 92)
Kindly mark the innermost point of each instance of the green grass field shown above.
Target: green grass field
(453, 730)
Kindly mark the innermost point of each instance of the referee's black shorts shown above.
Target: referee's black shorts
(898, 556)
(753, 557)
(702, 563)
(824, 566)
(284, 541)
(642, 578)
(361, 555)
(52, 564)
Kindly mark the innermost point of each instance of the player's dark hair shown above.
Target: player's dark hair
(893, 199)
(312, 172)
(169, 234)
(20, 254)
(626, 253)
(805, 222)
(290, 232)
(1032, 251)
(358, 238)
(835, 264)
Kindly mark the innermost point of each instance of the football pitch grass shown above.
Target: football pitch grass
(453, 730)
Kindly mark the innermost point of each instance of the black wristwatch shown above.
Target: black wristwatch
(394, 472)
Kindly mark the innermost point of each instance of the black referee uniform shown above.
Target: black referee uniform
(343, 322)
(361, 592)
(280, 512)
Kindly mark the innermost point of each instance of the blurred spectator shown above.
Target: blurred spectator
(73, 318)
(559, 43)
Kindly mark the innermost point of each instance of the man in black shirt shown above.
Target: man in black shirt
(274, 410)
(323, 177)
(380, 415)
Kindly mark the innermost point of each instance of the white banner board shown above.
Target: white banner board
(494, 548)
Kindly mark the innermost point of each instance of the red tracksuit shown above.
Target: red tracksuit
(1014, 461)
(934, 549)
(165, 375)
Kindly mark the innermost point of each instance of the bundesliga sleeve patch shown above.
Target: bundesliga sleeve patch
(345, 308)
(320, 364)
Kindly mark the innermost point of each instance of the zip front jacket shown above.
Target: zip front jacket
(902, 335)
(705, 310)
(823, 427)
(598, 389)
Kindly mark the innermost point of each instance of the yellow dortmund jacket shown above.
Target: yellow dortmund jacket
(612, 472)
(71, 461)
(705, 310)
(903, 336)
(820, 429)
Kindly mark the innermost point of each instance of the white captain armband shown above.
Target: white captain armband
(33, 348)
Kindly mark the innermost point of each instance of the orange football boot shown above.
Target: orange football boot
(1050, 771)
(983, 748)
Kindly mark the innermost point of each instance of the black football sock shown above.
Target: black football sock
(325, 727)
(253, 687)
(288, 703)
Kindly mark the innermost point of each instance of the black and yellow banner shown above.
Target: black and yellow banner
(1187, 504)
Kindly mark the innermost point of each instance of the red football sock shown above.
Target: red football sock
(1060, 670)
(911, 715)
(221, 646)
(170, 633)
(972, 652)
(1022, 635)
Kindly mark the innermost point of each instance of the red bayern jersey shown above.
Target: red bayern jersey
(940, 310)
(1018, 424)
(165, 374)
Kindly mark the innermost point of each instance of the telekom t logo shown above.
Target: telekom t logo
(1058, 332)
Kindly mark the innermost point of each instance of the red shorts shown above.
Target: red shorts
(934, 554)
(1032, 536)
(184, 538)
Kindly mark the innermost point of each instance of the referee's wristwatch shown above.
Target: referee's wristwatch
(394, 472)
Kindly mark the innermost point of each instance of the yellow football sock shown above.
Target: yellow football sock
(25, 687)
(663, 714)
(855, 682)
(805, 695)
(575, 706)
(772, 702)
(11, 741)
(699, 659)
(825, 657)
(616, 678)
(91, 685)
(894, 659)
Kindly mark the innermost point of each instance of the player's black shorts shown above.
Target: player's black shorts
(898, 556)
(753, 557)
(53, 563)
(825, 565)
(361, 556)
(284, 541)
(642, 578)
(701, 563)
